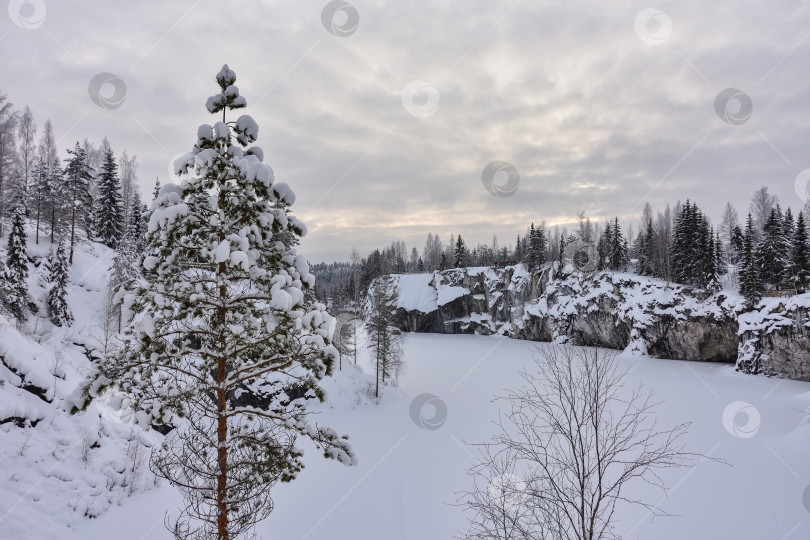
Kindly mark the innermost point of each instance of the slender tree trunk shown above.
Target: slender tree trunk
(38, 205)
(72, 228)
(377, 391)
(222, 407)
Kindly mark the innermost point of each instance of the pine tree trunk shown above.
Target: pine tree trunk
(37, 237)
(72, 228)
(222, 406)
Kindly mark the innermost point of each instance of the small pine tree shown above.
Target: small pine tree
(537, 247)
(769, 252)
(750, 280)
(136, 228)
(603, 247)
(58, 309)
(420, 266)
(17, 266)
(800, 257)
(460, 254)
(618, 248)
(443, 262)
(384, 338)
(78, 175)
(156, 190)
(109, 214)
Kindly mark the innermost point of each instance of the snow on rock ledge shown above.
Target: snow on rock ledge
(775, 338)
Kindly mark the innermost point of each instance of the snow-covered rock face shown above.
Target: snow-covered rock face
(775, 339)
(620, 311)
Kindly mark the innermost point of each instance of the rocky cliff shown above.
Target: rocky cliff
(616, 310)
(775, 338)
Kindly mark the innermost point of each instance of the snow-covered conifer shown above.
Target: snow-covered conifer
(750, 279)
(109, 211)
(77, 189)
(17, 266)
(224, 344)
(58, 309)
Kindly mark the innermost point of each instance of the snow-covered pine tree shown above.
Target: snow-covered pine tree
(719, 256)
(77, 188)
(684, 240)
(17, 266)
(800, 256)
(770, 251)
(537, 246)
(136, 228)
(223, 344)
(58, 309)
(109, 211)
(618, 248)
(603, 247)
(420, 266)
(788, 232)
(443, 261)
(750, 280)
(460, 254)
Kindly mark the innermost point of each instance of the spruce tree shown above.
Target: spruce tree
(750, 280)
(40, 192)
(109, 214)
(769, 252)
(17, 266)
(136, 228)
(58, 309)
(225, 345)
(603, 248)
(618, 248)
(443, 262)
(800, 257)
(77, 175)
(460, 254)
(537, 247)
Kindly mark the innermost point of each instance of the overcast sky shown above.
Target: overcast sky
(384, 116)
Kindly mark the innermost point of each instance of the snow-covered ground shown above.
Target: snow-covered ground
(406, 484)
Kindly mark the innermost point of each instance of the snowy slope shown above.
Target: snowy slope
(59, 469)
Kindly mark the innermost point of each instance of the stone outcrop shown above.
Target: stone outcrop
(616, 310)
(775, 338)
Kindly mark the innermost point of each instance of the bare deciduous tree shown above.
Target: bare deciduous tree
(570, 444)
